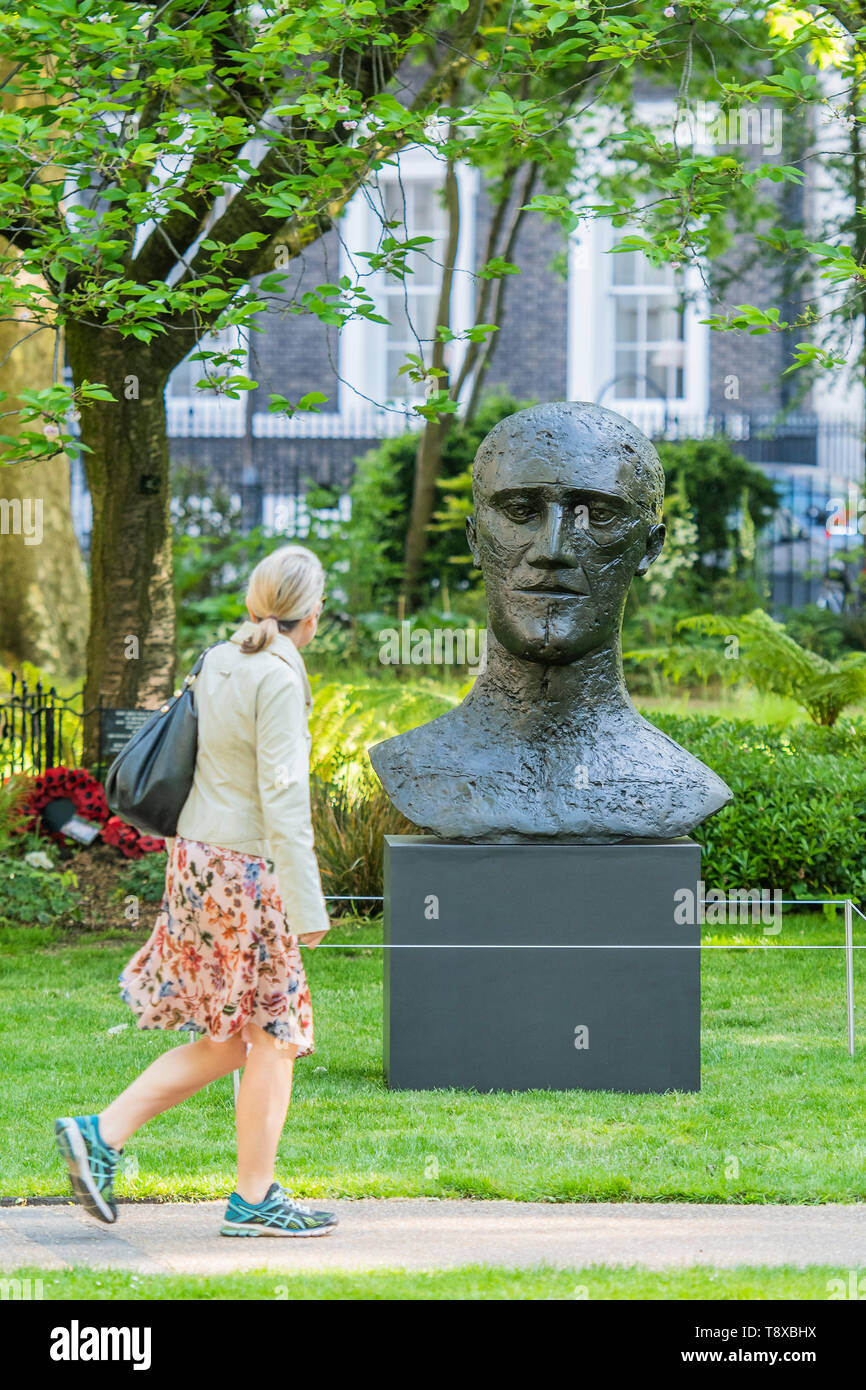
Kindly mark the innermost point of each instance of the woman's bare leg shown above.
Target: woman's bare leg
(172, 1077)
(261, 1108)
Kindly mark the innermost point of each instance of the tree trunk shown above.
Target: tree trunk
(485, 355)
(131, 648)
(43, 617)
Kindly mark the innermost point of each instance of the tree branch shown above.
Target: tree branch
(244, 214)
(490, 248)
(508, 251)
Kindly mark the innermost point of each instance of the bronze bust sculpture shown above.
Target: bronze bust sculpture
(547, 745)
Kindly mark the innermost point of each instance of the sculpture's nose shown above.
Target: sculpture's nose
(553, 547)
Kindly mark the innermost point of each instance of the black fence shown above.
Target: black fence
(812, 552)
(835, 446)
(810, 458)
(39, 728)
(816, 464)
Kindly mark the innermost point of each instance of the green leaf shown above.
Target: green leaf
(249, 241)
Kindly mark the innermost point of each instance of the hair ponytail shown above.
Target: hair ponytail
(285, 587)
(266, 631)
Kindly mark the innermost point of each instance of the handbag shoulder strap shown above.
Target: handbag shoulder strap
(188, 679)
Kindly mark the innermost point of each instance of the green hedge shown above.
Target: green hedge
(798, 819)
(797, 823)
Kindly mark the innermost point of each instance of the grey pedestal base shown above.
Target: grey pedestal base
(531, 1015)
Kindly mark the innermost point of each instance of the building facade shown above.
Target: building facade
(579, 323)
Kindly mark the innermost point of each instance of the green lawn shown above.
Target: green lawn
(467, 1282)
(779, 1118)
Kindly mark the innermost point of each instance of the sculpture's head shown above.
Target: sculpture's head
(568, 505)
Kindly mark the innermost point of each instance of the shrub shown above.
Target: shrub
(347, 719)
(720, 487)
(350, 826)
(797, 823)
(817, 629)
(777, 665)
(798, 819)
(47, 897)
(144, 879)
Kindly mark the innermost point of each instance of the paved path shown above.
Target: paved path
(413, 1233)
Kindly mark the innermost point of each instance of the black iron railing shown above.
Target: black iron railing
(39, 728)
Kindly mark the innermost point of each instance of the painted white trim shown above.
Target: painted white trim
(361, 422)
(203, 412)
(206, 418)
(582, 314)
(361, 343)
(590, 346)
(590, 351)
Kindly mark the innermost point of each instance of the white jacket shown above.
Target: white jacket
(251, 790)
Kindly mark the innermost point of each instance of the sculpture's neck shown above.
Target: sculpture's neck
(594, 683)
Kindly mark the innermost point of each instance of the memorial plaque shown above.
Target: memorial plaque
(116, 728)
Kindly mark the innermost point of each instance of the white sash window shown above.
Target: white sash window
(648, 330)
(371, 354)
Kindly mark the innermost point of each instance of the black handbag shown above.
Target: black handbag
(151, 777)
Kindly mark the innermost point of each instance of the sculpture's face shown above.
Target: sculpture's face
(559, 534)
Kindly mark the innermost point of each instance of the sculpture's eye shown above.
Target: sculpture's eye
(519, 509)
(601, 513)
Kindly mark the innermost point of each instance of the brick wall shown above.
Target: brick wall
(296, 354)
(291, 356)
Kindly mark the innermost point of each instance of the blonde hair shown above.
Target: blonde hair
(285, 587)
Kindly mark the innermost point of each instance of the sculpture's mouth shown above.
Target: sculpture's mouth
(555, 591)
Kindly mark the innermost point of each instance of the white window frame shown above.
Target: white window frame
(590, 338)
(591, 342)
(362, 343)
(642, 295)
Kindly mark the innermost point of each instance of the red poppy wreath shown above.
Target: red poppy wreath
(88, 797)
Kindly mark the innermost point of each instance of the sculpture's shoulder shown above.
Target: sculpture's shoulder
(626, 779)
(429, 747)
(660, 753)
(432, 774)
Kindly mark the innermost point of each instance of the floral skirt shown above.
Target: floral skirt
(220, 955)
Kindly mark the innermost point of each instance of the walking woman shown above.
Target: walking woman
(242, 889)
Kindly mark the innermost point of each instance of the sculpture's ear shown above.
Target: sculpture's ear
(654, 542)
(471, 537)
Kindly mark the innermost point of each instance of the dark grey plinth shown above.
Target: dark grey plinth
(476, 1017)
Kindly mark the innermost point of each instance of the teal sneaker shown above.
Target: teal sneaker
(91, 1163)
(278, 1215)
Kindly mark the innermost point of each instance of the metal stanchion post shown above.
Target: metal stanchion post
(849, 971)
